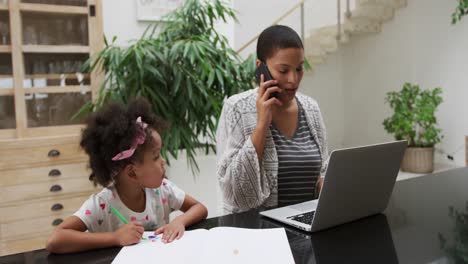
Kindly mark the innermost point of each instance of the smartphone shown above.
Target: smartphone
(263, 69)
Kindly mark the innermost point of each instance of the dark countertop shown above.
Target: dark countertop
(418, 226)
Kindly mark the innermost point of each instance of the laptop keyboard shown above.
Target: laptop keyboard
(305, 218)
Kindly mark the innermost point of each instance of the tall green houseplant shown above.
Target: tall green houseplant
(185, 68)
(414, 120)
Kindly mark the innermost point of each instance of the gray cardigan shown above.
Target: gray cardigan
(246, 183)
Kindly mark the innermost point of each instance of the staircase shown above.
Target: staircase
(366, 18)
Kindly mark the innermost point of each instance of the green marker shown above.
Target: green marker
(118, 214)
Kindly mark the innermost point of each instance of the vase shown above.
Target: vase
(418, 160)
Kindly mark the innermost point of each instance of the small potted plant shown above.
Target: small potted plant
(414, 119)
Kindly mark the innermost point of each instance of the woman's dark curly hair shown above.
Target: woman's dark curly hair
(111, 130)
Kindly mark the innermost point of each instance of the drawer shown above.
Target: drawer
(23, 245)
(43, 174)
(40, 152)
(55, 206)
(19, 193)
(31, 227)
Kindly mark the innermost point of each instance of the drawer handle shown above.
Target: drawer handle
(57, 221)
(54, 173)
(55, 188)
(53, 153)
(56, 207)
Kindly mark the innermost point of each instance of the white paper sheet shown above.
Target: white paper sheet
(218, 245)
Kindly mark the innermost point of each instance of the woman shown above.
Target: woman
(271, 150)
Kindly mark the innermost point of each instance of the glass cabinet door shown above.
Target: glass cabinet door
(52, 41)
(7, 105)
(54, 109)
(7, 112)
(57, 2)
(55, 88)
(54, 29)
(5, 38)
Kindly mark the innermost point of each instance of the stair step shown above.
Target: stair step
(314, 48)
(332, 31)
(314, 60)
(367, 17)
(376, 12)
(390, 3)
(362, 25)
(327, 42)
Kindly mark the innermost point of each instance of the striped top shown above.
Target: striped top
(299, 163)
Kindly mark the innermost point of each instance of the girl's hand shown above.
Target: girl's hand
(171, 231)
(264, 102)
(129, 234)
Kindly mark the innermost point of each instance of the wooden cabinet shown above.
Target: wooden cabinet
(43, 175)
(42, 181)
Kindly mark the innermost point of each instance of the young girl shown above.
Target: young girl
(124, 155)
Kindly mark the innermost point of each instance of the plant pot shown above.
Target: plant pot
(418, 160)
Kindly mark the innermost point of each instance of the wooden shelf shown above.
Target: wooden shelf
(6, 91)
(54, 9)
(53, 130)
(68, 76)
(55, 49)
(2, 76)
(57, 131)
(7, 134)
(5, 49)
(58, 89)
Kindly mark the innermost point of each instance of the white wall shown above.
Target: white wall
(421, 46)
(202, 186)
(325, 84)
(120, 19)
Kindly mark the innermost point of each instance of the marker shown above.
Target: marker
(118, 214)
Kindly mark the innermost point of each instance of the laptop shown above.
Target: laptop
(358, 183)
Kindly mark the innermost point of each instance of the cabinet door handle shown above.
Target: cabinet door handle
(57, 221)
(53, 153)
(54, 173)
(55, 188)
(92, 10)
(56, 207)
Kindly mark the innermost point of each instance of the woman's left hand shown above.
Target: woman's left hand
(171, 231)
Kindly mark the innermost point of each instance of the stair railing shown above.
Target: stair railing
(301, 6)
(298, 5)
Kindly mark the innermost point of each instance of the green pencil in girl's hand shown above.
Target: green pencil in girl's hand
(118, 214)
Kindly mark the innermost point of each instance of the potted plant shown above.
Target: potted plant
(185, 68)
(414, 119)
(460, 11)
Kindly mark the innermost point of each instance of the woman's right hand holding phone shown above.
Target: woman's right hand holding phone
(265, 101)
(264, 105)
(129, 234)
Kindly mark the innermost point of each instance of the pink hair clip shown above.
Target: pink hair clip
(139, 139)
